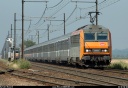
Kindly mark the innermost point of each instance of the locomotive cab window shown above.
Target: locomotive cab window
(102, 36)
(89, 36)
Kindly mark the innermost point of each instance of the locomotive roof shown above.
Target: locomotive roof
(95, 28)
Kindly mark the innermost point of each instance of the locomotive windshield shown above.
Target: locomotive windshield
(102, 36)
(89, 36)
(96, 36)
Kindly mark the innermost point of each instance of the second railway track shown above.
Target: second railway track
(54, 81)
(103, 79)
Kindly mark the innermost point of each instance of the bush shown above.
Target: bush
(20, 64)
(23, 64)
(17, 64)
(119, 65)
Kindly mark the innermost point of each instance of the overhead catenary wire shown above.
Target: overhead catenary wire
(42, 14)
(68, 17)
(56, 4)
(55, 12)
(103, 4)
(111, 3)
(99, 10)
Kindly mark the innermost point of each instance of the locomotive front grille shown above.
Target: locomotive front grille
(96, 50)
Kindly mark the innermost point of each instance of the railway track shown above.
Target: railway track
(54, 81)
(4, 70)
(107, 70)
(117, 71)
(103, 79)
(58, 81)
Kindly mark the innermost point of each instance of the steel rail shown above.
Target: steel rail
(71, 80)
(116, 71)
(76, 74)
(19, 75)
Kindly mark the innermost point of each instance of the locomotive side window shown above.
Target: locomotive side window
(102, 36)
(75, 40)
(89, 36)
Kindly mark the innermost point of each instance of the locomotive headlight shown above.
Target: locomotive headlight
(105, 50)
(87, 50)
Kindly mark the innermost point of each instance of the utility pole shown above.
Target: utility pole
(48, 31)
(31, 37)
(43, 29)
(64, 23)
(97, 12)
(14, 47)
(11, 30)
(38, 37)
(22, 56)
(8, 34)
(61, 20)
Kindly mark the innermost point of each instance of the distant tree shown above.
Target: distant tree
(28, 43)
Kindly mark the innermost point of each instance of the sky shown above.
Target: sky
(114, 15)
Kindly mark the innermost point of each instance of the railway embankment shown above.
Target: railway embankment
(42, 74)
(6, 79)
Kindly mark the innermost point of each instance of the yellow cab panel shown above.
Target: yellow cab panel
(93, 45)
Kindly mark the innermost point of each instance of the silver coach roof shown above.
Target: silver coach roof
(50, 41)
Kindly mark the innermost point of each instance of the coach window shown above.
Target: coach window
(39, 49)
(44, 48)
(62, 45)
(47, 48)
(30, 51)
(58, 45)
(66, 44)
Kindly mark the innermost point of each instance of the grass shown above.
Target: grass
(18, 64)
(3, 61)
(122, 65)
(22, 64)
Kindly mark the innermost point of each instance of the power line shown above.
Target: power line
(56, 4)
(71, 14)
(56, 12)
(81, 17)
(109, 4)
(42, 15)
(87, 13)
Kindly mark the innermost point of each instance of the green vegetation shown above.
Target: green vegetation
(22, 63)
(17, 64)
(28, 43)
(3, 60)
(119, 65)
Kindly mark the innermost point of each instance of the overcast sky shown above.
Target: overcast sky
(114, 15)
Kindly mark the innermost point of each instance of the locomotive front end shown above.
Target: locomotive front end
(97, 46)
